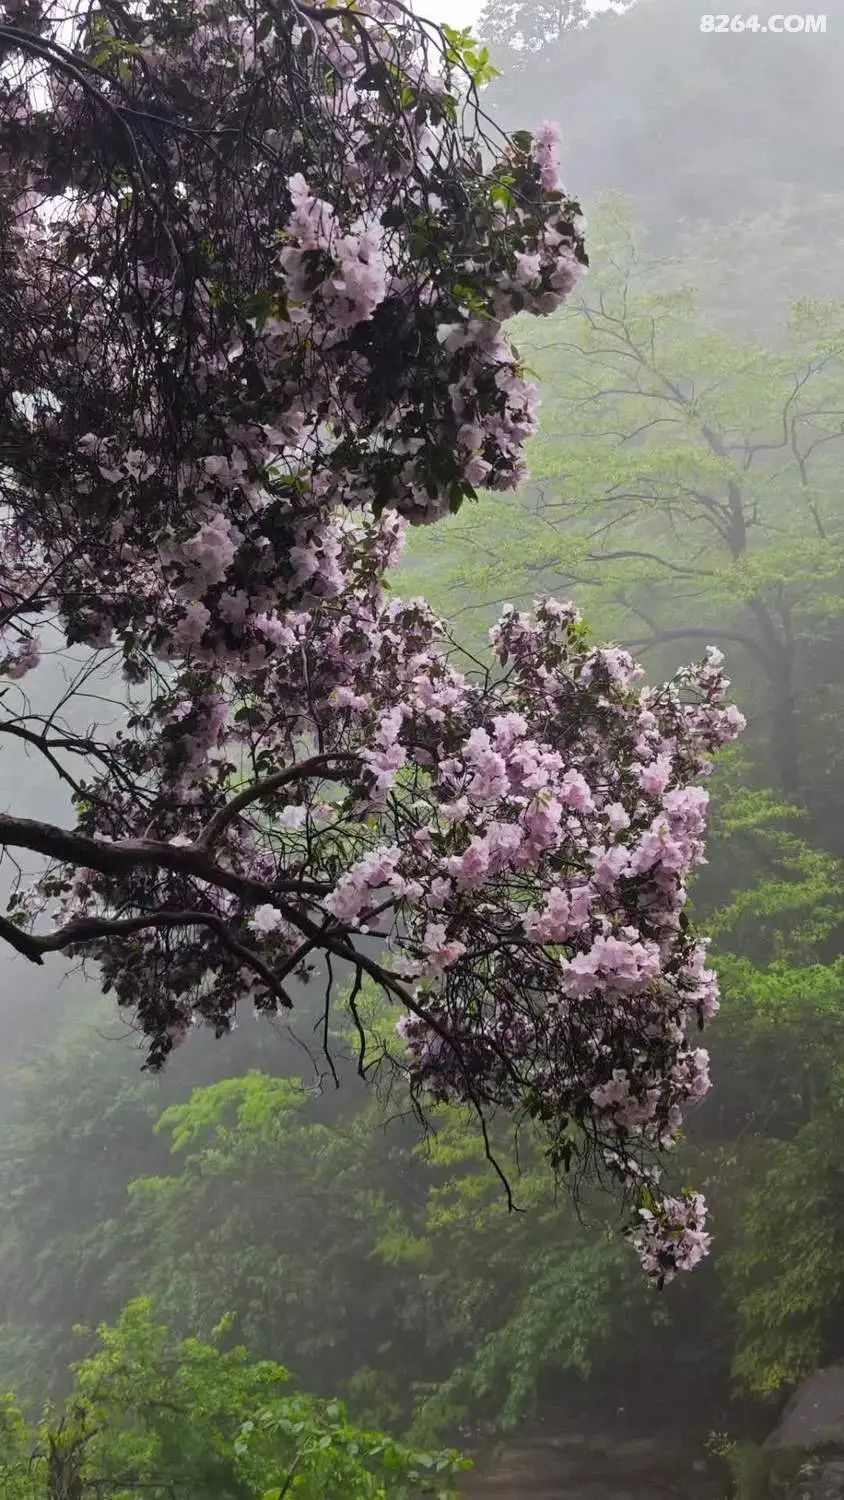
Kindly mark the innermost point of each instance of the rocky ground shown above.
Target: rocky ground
(806, 1451)
(802, 1459)
(574, 1466)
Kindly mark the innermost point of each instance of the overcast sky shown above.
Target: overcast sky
(466, 12)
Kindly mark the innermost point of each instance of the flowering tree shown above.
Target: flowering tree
(256, 265)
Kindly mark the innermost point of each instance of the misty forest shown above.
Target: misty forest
(422, 818)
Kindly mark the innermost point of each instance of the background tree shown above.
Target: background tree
(179, 1418)
(689, 480)
(779, 930)
(290, 1206)
(77, 1116)
(518, 31)
(328, 1229)
(67, 1233)
(498, 1303)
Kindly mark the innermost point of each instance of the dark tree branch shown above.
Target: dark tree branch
(316, 765)
(651, 557)
(127, 854)
(702, 633)
(92, 929)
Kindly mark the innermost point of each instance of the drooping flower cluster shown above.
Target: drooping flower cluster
(671, 1235)
(524, 875)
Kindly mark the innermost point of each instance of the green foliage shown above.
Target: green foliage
(262, 1182)
(562, 1318)
(335, 1237)
(785, 896)
(775, 1180)
(77, 1119)
(528, 1295)
(186, 1420)
(528, 1292)
(784, 1028)
(786, 1275)
(746, 1463)
(465, 53)
(75, 1126)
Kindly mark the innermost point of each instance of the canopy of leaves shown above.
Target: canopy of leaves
(169, 1418)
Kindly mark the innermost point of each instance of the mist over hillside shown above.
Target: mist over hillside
(691, 126)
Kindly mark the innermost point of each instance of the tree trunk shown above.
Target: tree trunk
(785, 739)
(778, 645)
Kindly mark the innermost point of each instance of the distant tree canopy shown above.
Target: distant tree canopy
(177, 1419)
(523, 28)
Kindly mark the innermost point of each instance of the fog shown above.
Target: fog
(685, 488)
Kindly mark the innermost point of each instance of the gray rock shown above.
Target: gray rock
(814, 1417)
(822, 1480)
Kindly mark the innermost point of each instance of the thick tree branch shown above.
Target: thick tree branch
(701, 633)
(22, 942)
(317, 765)
(650, 557)
(90, 929)
(120, 856)
(124, 855)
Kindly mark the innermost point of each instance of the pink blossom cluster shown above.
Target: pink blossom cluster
(19, 656)
(671, 1236)
(340, 351)
(522, 877)
(355, 279)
